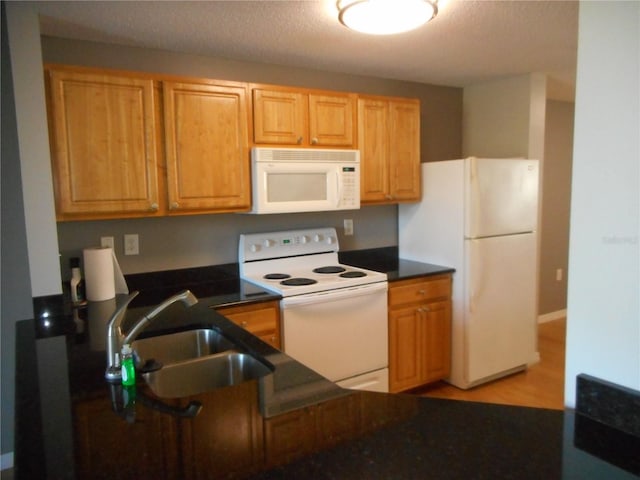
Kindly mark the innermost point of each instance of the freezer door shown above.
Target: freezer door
(500, 305)
(501, 196)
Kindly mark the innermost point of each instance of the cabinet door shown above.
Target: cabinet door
(405, 349)
(147, 448)
(103, 144)
(206, 147)
(374, 150)
(225, 439)
(435, 321)
(279, 117)
(404, 150)
(331, 120)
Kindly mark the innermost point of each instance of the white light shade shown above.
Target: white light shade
(385, 17)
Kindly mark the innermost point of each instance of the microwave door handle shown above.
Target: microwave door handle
(338, 188)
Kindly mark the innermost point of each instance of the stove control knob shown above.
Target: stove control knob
(268, 243)
(317, 238)
(304, 239)
(254, 248)
(331, 240)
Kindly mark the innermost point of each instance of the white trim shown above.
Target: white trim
(6, 461)
(557, 315)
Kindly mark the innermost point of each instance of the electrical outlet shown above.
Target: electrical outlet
(348, 226)
(106, 242)
(131, 245)
(559, 275)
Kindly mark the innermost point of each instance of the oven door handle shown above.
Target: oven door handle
(333, 295)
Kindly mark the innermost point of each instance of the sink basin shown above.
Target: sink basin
(205, 373)
(181, 346)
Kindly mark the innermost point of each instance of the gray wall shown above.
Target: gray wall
(167, 243)
(556, 198)
(15, 293)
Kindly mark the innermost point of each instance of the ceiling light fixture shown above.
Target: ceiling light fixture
(385, 17)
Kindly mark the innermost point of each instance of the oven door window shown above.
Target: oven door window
(296, 187)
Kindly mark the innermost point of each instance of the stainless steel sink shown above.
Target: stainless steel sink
(190, 362)
(181, 346)
(205, 373)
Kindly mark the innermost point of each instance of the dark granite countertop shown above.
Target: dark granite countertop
(291, 423)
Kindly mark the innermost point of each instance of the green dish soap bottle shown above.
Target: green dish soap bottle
(128, 366)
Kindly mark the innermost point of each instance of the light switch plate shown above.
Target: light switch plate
(348, 226)
(131, 244)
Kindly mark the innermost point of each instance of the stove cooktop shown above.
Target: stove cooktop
(297, 262)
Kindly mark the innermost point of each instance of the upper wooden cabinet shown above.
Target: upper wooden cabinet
(206, 147)
(103, 142)
(127, 144)
(131, 145)
(303, 118)
(389, 143)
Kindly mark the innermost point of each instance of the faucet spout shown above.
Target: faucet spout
(116, 338)
(186, 297)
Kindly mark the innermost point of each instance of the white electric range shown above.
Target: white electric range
(334, 316)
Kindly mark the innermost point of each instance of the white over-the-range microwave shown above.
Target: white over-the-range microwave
(287, 180)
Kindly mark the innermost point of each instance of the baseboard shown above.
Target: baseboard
(557, 315)
(6, 461)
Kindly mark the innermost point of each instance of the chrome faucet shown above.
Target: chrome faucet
(116, 338)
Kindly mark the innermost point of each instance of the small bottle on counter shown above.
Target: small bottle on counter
(77, 283)
(128, 366)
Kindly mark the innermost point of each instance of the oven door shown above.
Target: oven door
(341, 333)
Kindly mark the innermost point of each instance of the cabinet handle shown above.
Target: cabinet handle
(174, 206)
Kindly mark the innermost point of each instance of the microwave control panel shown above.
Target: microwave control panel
(350, 196)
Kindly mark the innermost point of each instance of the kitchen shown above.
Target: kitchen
(227, 226)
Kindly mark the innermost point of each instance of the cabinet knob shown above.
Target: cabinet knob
(389, 197)
(174, 206)
(244, 323)
(421, 292)
(299, 141)
(154, 207)
(314, 141)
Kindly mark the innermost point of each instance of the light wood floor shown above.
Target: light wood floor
(541, 385)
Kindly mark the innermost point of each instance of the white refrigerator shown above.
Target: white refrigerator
(479, 216)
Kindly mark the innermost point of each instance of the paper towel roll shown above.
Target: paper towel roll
(102, 274)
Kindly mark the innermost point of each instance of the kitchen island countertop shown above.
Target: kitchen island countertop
(291, 423)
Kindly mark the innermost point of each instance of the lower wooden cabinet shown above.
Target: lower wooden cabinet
(294, 434)
(152, 432)
(225, 440)
(419, 331)
(262, 319)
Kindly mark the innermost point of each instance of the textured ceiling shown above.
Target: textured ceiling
(468, 42)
